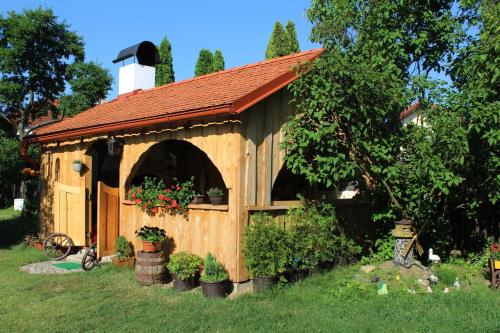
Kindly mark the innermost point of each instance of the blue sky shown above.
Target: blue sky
(241, 29)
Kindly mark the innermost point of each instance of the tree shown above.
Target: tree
(39, 55)
(204, 64)
(293, 42)
(377, 60)
(10, 167)
(218, 62)
(33, 77)
(475, 73)
(279, 44)
(165, 69)
(89, 84)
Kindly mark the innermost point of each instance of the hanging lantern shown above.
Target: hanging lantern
(115, 146)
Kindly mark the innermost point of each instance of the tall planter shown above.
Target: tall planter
(263, 282)
(213, 289)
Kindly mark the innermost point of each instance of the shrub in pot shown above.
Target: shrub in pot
(213, 278)
(151, 237)
(198, 199)
(184, 267)
(267, 250)
(124, 253)
(215, 195)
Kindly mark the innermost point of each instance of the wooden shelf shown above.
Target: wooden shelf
(191, 206)
(276, 205)
(208, 207)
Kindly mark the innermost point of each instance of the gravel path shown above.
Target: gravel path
(47, 267)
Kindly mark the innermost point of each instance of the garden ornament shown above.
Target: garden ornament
(456, 284)
(435, 259)
(429, 290)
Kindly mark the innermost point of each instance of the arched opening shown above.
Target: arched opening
(177, 159)
(288, 185)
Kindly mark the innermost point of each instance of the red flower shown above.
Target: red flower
(139, 190)
(138, 201)
(133, 195)
(175, 204)
(154, 210)
(178, 188)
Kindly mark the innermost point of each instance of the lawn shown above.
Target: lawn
(109, 299)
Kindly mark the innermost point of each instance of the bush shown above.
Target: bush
(266, 247)
(185, 265)
(318, 237)
(446, 275)
(384, 250)
(214, 192)
(123, 248)
(213, 271)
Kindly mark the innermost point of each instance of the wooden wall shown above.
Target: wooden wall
(62, 154)
(205, 229)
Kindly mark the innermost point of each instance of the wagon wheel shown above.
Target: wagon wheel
(497, 279)
(57, 246)
(90, 259)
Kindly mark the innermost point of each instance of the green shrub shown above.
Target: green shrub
(318, 237)
(185, 265)
(214, 192)
(384, 250)
(213, 271)
(266, 247)
(123, 248)
(446, 275)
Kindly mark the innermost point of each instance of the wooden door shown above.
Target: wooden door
(70, 212)
(107, 219)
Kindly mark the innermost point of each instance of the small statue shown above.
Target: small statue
(435, 259)
(456, 284)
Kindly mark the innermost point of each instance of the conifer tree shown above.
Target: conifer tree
(218, 62)
(165, 69)
(278, 43)
(293, 42)
(204, 64)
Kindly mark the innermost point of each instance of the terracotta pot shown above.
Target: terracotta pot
(183, 285)
(213, 289)
(263, 282)
(216, 200)
(39, 246)
(129, 262)
(151, 246)
(198, 199)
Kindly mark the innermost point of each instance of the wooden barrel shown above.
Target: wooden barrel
(150, 268)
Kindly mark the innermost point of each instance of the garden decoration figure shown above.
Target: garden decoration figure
(435, 259)
(406, 240)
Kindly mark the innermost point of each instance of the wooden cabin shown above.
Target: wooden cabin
(223, 128)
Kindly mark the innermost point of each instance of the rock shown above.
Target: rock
(368, 268)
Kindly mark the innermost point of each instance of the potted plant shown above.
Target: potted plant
(184, 268)
(198, 199)
(38, 242)
(495, 255)
(267, 251)
(215, 196)
(151, 237)
(213, 278)
(124, 253)
(77, 165)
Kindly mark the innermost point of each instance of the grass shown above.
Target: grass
(109, 299)
(9, 214)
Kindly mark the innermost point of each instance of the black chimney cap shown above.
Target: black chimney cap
(146, 53)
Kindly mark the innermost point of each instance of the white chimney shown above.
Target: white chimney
(135, 76)
(140, 75)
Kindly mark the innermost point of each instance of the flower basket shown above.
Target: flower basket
(129, 262)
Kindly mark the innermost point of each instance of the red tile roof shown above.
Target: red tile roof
(225, 92)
